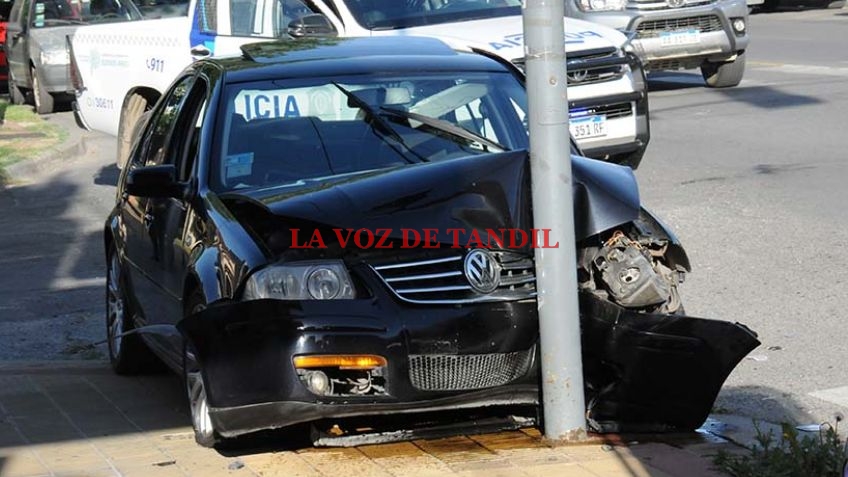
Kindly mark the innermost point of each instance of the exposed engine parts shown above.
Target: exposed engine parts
(632, 272)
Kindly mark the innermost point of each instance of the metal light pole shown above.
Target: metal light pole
(556, 271)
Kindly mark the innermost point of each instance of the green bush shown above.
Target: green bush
(794, 455)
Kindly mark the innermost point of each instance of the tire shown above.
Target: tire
(204, 431)
(15, 94)
(42, 99)
(724, 75)
(128, 354)
(136, 106)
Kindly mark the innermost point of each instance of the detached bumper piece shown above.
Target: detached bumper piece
(654, 372)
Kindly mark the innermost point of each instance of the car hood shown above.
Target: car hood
(490, 191)
(505, 36)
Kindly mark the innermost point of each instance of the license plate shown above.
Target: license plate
(676, 38)
(588, 126)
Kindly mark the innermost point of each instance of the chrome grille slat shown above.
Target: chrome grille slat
(464, 372)
(433, 289)
(428, 276)
(418, 264)
(663, 5)
(442, 280)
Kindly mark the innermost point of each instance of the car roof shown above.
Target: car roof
(312, 57)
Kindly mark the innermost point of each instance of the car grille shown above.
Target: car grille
(441, 280)
(653, 28)
(592, 66)
(612, 111)
(663, 4)
(442, 372)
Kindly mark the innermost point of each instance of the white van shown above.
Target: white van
(122, 70)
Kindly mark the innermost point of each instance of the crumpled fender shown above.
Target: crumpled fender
(655, 372)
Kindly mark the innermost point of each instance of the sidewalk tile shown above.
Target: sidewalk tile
(20, 462)
(404, 459)
(623, 466)
(279, 464)
(455, 449)
(336, 462)
(148, 470)
(557, 470)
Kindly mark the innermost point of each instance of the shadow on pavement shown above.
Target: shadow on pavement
(762, 403)
(107, 175)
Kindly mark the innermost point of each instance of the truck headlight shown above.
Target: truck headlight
(601, 5)
(55, 57)
(318, 280)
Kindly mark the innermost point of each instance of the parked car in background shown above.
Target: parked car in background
(607, 89)
(214, 265)
(679, 34)
(36, 47)
(5, 8)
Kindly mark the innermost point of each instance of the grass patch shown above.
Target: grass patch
(24, 135)
(795, 454)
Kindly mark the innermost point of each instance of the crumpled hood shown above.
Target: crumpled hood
(490, 191)
(505, 36)
(51, 38)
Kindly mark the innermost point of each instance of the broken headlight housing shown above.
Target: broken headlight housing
(318, 280)
(601, 5)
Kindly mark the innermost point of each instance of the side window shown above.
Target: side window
(186, 143)
(207, 17)
(161, 126)
(24, 13)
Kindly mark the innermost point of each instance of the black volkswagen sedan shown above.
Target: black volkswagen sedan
(342, 228)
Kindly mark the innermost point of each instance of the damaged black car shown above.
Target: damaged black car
(342, 229)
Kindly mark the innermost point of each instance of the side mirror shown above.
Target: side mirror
(154, 181)
(311, 26)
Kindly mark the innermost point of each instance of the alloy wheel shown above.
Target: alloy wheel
(115, 307)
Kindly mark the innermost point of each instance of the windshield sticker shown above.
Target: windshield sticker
(325, 102)
(239, 165)
(517, 39)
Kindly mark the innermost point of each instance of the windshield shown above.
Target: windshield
(47, 13)
(394, 14)
(281, 132)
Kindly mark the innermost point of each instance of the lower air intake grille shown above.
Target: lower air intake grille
(441, 372)
(703, 23)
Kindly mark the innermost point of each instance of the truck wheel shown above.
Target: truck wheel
(15, 94)
(724, 75)
(136, 106)
(43, 99)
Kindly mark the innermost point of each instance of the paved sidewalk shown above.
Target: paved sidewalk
(78, 419)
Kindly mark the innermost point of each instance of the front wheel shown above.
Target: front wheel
(201, 420)
(43, 99)
(724, 75)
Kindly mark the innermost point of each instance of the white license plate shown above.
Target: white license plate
(588, 126)
(676, 38)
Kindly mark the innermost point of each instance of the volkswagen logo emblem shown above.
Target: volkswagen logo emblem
(482, 271)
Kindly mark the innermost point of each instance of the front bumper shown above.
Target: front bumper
(643, 372)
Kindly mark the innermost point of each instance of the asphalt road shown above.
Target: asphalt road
(751, 178)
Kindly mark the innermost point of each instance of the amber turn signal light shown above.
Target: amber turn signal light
(341, 361)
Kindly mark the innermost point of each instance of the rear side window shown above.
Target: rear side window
(163, 8)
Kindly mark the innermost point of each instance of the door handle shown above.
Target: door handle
(200, 51)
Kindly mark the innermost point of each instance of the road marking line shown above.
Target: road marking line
(834, 395)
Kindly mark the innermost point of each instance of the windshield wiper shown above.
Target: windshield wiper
(449, 128)
(380, 125)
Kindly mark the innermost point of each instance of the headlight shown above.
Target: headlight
(55, 57)
(319, 280)
(601, 5)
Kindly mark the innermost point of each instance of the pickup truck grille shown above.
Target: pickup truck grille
(592, 66)
(441, 280)
(653, 28)
(663, 4)
(611, 111)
